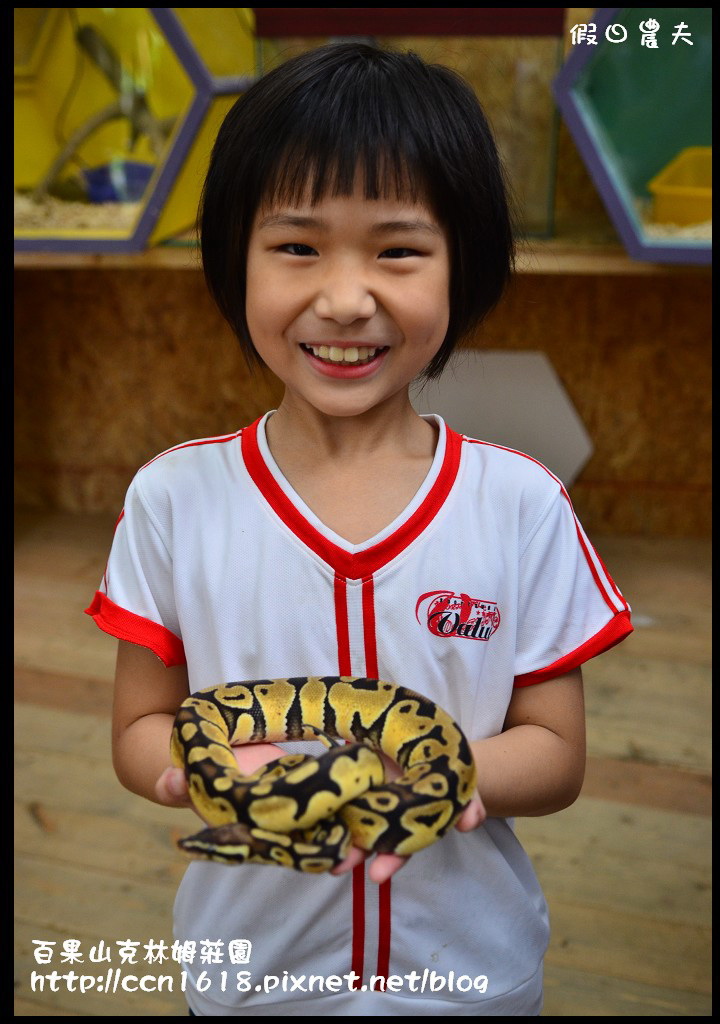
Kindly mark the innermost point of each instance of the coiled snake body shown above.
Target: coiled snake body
(304, 812)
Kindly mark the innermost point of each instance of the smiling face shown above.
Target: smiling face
(347, 299)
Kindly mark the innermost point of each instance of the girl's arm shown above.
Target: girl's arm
(147, 698)
(536, 765)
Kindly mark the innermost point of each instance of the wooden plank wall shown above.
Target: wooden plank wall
(626, 870)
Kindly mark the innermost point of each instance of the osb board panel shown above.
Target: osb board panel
(131, 362)
(634, 355)
(579, 211)
(114, 367)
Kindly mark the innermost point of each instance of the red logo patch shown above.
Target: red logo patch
(450, 614)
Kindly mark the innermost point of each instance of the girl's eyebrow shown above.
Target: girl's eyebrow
(287, 220)
(406, 225)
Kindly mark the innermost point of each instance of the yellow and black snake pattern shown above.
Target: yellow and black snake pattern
(304, 812)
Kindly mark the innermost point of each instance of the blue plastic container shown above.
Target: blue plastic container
(122, 181)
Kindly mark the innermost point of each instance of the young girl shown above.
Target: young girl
(355, 228)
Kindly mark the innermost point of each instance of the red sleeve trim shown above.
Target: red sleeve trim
(125, 625)
(616, 630)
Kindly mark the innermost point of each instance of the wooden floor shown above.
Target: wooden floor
(626, 870)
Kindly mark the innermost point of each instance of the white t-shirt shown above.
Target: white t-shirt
(485, 581)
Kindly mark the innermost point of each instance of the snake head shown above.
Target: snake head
(312, 850)
(228, 844)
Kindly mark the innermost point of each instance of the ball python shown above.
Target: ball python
(304, 812)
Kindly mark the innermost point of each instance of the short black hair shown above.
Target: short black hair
(412, 128)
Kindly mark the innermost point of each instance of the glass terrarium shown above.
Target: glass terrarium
(636, 95)
(115, 113)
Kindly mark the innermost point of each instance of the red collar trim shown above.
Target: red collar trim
(357, 565)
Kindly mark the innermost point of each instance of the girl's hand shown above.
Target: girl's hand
(384, 865)
(171, 788)
(172, 791)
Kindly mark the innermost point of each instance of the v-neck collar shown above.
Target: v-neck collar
(352, 561)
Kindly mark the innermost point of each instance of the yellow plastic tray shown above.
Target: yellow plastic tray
(682, 190)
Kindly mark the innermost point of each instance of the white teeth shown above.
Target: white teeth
(335, 354)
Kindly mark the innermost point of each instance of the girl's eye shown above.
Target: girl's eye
(399, 253)
(298, 249)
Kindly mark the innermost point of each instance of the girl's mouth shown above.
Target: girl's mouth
(351, 363)
(352, 356)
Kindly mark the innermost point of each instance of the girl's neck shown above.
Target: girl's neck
(298, 431)
(357, 473)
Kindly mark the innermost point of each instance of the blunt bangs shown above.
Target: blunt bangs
(357, 129)
(324, 120)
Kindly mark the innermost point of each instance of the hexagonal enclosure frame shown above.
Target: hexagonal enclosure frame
(594, 92)
(170, 199)
(514, 399)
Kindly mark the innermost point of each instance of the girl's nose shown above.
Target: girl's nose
(344, 297)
